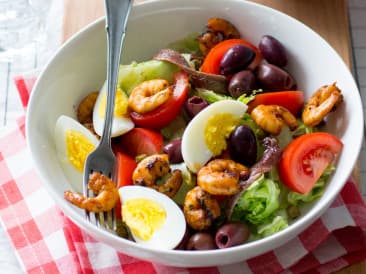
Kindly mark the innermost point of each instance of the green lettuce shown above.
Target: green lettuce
(257, 204)
(303, 129)
(189, 182)
(211, 96)
(188, 44)
(277, 224)
(174, 129)
(317, 191)
(246, 98)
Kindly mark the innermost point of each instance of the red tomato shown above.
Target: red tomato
(291, 100)
(163, 115)
(141, 141)
(211, 64)
(125, 167)
(304, 160)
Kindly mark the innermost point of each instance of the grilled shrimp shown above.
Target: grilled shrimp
(221, 177)
(105, 190)
(86, 107)
(272, 118)
(149, 95)
(151, 169)
(217, 30)
(200, 209)
(323, 101)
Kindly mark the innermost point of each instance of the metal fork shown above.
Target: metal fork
(102, 159)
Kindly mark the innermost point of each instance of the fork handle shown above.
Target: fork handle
(117, 12)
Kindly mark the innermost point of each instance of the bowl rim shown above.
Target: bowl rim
(273, 240)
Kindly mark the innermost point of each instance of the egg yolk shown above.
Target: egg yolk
(78, 147)
(217, 130)
(143, 216)
(120, 106)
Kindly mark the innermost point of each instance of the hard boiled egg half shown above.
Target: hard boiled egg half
(152, 217)
(121, 120)
(73, 142)
(206, 134)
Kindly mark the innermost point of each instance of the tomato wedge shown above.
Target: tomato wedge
(211, 64)
(125, 167)
(163, 115)
(141, 141)
(291, 100)
(304, 160)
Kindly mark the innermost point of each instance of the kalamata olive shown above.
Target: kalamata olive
(243, 145)
(272, 78)
(231, 234)
(173, 149)
(273, 51)
(235, 59)
(194, 105)
(201, 241)
(242, 82)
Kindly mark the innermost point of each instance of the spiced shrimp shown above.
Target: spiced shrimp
(222, 177)
(323, 101)
(149, 95)
(218, 30)
(200, 208)
(153, 169)
(272, 118)
(105, 190)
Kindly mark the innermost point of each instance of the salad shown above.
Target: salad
(215, 143)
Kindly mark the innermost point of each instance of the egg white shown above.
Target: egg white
(120, 125)
(64, 123)
(194, 149)
(174, 227)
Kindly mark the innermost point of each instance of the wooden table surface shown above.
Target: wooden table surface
(329, 18)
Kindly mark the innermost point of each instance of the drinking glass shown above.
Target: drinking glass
(22, 26)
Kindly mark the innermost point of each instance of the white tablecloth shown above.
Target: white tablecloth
(8, 262)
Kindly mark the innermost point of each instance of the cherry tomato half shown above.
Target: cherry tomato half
(163, 115)
(291, 100)
(211, 64)
(125, 167)
(304, 160)
(141, 141)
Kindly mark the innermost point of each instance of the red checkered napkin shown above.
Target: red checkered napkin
(46, 241)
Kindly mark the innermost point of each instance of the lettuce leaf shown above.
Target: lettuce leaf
(188, 44)
(246, 98)
(175, 129)
(277, 224)
(211, 96)
(317, 191)
(258, 202)
(303, 129)
(189, 182)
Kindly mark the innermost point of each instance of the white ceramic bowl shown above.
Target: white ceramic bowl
(80, 67)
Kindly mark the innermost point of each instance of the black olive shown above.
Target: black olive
(243, 145)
